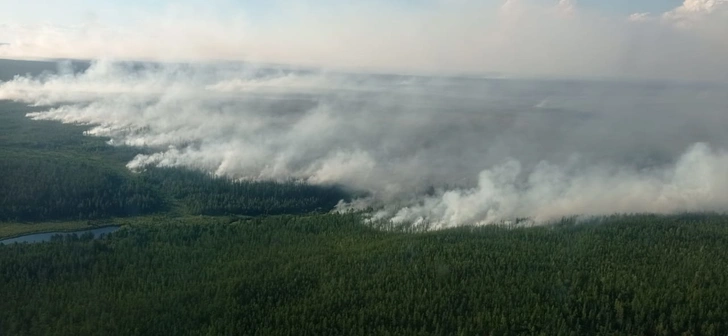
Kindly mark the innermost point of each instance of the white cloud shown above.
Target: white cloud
(700, 13)
(567, 6)
(640, 17)
(702, 6)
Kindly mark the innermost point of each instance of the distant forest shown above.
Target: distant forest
(51, 171)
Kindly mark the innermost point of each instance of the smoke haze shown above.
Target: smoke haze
(445, 151)
(523, 37)
(480, 126)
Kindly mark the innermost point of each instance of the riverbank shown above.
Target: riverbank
(15, 229)
(96, 232)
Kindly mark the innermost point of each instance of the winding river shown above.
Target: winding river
(46, 236)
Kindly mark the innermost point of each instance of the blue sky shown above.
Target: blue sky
(631, 6)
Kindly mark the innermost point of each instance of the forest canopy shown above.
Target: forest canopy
(330, 275)
(50, 171)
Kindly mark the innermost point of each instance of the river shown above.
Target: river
(46, 236)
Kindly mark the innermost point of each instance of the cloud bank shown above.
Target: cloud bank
(440, 151)
(521, 37)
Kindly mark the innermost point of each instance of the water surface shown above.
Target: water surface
(46, 236)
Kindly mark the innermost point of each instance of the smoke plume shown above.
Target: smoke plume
(441, 151)
(308, 93)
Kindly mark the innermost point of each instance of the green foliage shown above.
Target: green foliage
(50, 171)
(204, 194)
(329, 275)
(52, 187)
(176, 274)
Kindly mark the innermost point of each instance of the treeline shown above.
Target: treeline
(205, 194)
(50, 171)
(50, 187)
(11, 68)
(329, 275)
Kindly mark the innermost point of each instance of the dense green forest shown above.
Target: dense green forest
(208, 195)
(200, 255)
(330, 275)
(50, 171)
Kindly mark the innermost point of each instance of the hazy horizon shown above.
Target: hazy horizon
(566, 38)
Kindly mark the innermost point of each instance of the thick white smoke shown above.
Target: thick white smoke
(696, 182)
(435, 150)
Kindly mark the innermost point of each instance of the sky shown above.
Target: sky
(70, 11)
(631, 6)
(670, 39)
